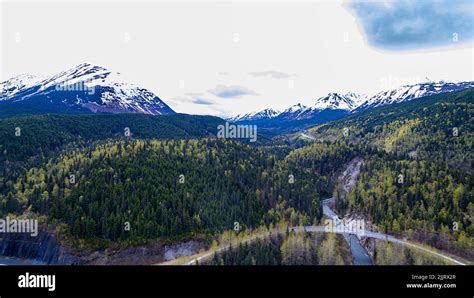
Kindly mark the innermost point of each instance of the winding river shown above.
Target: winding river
(360, 256)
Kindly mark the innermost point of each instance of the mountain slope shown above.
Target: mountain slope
(417, 180)
(82, 89)
(335, 105)
(330, 107)
(410, 92)
(45, 134)
(371, 119)
(16, 84)
(438, 127)
(332, 101)
(261, 115)
(348, 101)
(293, 112)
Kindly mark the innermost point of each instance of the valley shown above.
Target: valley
(131, 188)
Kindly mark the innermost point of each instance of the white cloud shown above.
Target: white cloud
(271, 74)
(231, 91)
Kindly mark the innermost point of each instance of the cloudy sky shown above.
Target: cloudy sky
(230, 57)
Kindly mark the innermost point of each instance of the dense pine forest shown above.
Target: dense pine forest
(134, 178)
(27, 137)
(30, 141)
(174, 188)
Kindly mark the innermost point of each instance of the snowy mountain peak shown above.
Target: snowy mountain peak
(332, 101)
(293, 112)
(261, 115)
(348, 101)
(296, 108)
(410, 92)
(86, 87)
(336, 105)
(85, 72)
(16, 84)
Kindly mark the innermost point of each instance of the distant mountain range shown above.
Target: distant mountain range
(90, 89)
(87, 89)
(264, 114)
(335, 105)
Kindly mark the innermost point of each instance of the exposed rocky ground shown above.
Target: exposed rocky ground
(45, 248)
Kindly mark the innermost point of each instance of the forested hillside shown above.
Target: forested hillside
(438, 128)
(417, 177)
(25, 137)
(174, 188)
(162, 188)
(30, 141)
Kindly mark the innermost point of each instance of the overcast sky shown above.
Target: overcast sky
(230, 57)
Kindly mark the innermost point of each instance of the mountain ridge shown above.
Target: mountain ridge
(410, 92)
(90, 89)
(354, 102)
(336, 105)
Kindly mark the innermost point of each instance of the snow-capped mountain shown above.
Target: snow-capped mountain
(348, 101)
(410, 92)
(333, 101)
(323, 107)
(293, 112)
(85, 88)
(337, 105)
(16, 84)
(293, 118)
(261, 115)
